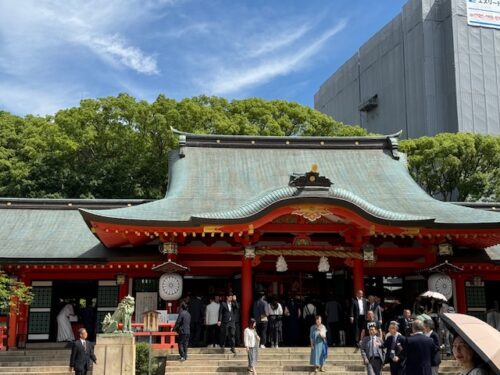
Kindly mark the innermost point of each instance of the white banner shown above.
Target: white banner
(485, 13)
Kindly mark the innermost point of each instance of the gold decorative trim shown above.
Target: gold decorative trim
(311, 213)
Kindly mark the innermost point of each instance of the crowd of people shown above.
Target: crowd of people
(408, 342)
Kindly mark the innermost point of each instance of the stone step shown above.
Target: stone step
(12, 353)
(33, 359)
(276, 362)
(41, 362)
(35, 370)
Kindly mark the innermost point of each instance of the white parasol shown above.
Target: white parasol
(434, 295)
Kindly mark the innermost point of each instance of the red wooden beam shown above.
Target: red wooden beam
(202, 250)
(211, 263)
(402, 250)
(304, 228)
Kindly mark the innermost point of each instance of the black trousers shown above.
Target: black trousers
(212, 338)
(374, 366)
(237, 333)
(396, 368)
(81, 372)
(359, 324)
(183, 345)
(227, 334)
(194, 338)
(333, 333)
(262, 332)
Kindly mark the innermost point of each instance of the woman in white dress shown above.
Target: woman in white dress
(64, 331)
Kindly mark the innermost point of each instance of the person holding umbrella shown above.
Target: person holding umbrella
(469, 361)
(476, 345)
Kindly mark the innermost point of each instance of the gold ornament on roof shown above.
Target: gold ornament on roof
(311, 213)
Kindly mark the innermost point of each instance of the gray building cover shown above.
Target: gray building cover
(426, 72)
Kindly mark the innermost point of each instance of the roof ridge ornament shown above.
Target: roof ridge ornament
(311, 179)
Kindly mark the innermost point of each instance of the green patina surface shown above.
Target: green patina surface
(234, 183)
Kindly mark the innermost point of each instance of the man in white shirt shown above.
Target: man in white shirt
(211, 319)
(359, 309)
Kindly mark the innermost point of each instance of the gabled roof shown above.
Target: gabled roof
(226, 179)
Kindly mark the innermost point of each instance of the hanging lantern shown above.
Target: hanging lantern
(281, 265)
(324, 265)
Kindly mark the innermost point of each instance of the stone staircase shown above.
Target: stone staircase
(281, 361)
(54, 361)
(204, 361)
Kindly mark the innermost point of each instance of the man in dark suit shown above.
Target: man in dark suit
(196, 310)
(394, 354)
(405, 323)
(359, 309)
(183, 329)
(436, 358)
(82, 354)
(227, 320)
(419, 351)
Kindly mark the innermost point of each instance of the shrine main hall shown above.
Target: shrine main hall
(301, 216)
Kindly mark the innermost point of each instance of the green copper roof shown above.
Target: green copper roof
(232, 178)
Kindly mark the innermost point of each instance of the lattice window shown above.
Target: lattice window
(43, 296)
(39, 322)
(107, 296)
(476, 296)
(146, 285)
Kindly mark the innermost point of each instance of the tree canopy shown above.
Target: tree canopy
(116, 147)
(456, 166)
(13, 293)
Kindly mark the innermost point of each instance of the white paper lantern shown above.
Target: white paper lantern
(281, 265)
(170, 286)
(324, 265)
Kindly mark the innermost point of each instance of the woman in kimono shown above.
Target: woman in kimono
(251, 340)
(319, 347)
(64, 330)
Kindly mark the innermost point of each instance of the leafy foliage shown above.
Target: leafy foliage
(143, 352)
(10, 288)
(457, 166)
(117, 147)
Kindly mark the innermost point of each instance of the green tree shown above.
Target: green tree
(458, 166)
(13, 293)
(117, 147)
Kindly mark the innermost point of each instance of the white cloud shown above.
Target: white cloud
(273, 43)
(228, 81)
(33, 33)
(115, 49)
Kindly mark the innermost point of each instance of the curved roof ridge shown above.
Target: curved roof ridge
(270, 197)
(372, 209)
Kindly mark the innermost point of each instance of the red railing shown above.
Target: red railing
(165, 335)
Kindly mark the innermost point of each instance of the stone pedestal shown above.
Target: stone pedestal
(115, 354)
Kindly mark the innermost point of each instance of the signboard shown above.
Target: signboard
(165, 317)
(485, 13)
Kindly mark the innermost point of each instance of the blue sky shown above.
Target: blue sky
(55, 53)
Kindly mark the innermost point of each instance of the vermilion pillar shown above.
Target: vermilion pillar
(460, 304)
(246, 291)
(358, 275)
(123, 289)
